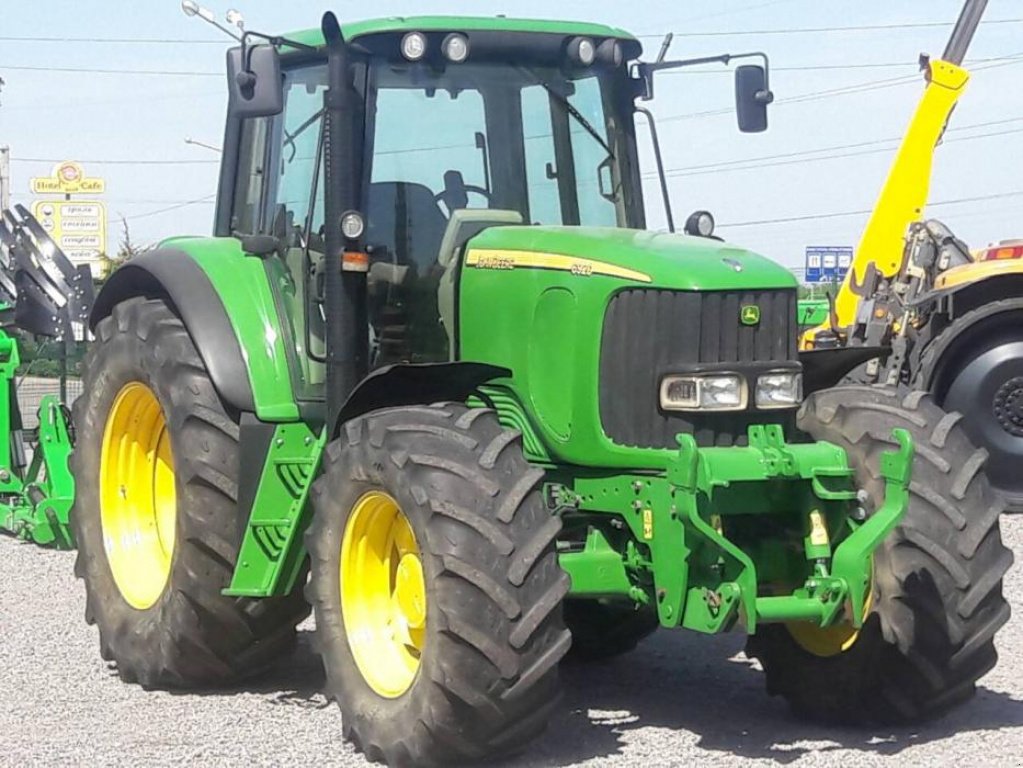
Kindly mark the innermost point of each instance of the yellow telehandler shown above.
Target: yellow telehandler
(949, 321)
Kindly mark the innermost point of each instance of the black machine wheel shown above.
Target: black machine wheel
(436, 586)
(936, 597)
(975, 367)
(155, 516)
(604, 630)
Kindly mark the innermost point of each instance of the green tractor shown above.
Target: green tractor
(432, 376)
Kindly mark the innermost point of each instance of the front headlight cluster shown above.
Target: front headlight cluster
(730, 391)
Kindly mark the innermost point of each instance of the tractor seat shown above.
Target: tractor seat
(405, 219)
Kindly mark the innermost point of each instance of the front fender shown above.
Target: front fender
(416, 384)
(224, 299)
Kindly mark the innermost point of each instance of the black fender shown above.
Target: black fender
(171, 274)
(416, 384)
(824, 368)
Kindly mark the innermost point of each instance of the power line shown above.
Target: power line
(681, 172)
(720, 33)
(869, 85)
(840, 214)
(93, 71)
(112, 40)
(169, 208)
(822, 30)
(837, 147)
(94, 161)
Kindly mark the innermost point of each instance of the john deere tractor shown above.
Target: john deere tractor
(432, 376)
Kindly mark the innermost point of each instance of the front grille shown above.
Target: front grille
(649, 333)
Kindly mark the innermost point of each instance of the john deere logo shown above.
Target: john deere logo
(749, 314)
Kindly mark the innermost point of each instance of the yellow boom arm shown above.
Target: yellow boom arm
(904, 194)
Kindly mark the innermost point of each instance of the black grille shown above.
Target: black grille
(650, 333)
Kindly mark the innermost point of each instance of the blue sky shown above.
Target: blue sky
(53, 115)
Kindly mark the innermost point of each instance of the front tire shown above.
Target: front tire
(156, 466)
(436, 502)
(936, 598)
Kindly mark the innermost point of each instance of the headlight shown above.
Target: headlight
(413, 46)
(779, 390)
(704, 392)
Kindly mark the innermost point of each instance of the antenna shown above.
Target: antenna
(192, 8)
(665, 46)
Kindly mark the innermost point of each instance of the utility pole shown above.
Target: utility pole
(5, 178)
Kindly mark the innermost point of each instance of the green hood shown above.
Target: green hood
(670, 261)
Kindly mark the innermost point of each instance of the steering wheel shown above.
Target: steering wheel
(455, 194)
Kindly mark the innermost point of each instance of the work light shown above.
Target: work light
(352, 225)
(704, 392)
(779, 389)
(413, 46)
(456, 48)
(582, 50)
(610, 52)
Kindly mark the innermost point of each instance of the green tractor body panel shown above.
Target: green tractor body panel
(242, 283)
(402, 24)
(552, 285)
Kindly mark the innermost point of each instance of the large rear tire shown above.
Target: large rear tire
(436, 586)
(156, 466)
(936, 598)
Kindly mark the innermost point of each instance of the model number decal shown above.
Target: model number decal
(505, 260)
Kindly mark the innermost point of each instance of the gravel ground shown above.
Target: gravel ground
(678, 700)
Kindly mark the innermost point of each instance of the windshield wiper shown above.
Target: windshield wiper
(575, 113)
(289, 138)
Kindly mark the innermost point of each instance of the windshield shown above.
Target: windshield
(530, 140)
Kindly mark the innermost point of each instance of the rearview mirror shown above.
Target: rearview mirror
(752, 96)
(254, 84)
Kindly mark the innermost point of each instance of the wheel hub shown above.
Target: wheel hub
(1008, 406)
(383, 594)
(137, 496)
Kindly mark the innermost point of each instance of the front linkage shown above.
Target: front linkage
(680, 559)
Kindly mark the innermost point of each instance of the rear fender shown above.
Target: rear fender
(224, 299)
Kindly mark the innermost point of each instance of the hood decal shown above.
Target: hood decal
(504, 259)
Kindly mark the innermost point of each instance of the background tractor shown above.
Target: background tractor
(459, 426)
(949, 321)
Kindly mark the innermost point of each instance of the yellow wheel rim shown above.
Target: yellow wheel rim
(827, 641)
(383, 594)
(137, 496)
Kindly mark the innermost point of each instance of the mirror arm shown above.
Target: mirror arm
(645, 70)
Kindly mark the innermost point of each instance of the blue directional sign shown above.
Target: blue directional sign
(827, 263)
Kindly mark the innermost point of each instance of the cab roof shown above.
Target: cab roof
(400, 24)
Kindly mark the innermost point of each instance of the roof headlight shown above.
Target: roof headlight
(456, 48)
(610, 52)
(413, 46)
(582, 51)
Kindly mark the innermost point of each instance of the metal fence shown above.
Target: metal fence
(32, 389)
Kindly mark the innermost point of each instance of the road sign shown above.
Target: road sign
(68, 178)
(827, 263)
(79, 227)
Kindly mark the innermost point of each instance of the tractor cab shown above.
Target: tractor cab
(453, 126)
